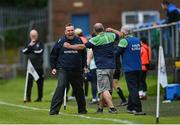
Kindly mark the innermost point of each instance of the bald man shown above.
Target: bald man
(103, 47)
(34, 51)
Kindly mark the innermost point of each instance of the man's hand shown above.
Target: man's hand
(109, 29)
(66, 45)
(32, 43)
(53, 71)
(114, 31)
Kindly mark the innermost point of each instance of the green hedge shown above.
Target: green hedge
(15, 38)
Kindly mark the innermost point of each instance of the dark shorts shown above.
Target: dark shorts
(117, 74)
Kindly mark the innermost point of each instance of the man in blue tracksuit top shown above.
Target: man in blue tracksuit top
(129, 48)
(70, 64)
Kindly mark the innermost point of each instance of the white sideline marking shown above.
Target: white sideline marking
(81, 116)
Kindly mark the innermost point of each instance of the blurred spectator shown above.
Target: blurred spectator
(155, 41)
(79, 32)
(92, 74)
(145, 61)
(172, 13)
(93, 77)
(116, 78)
(34, 51)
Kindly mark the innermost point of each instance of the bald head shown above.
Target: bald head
(98, 27)
(33, 35)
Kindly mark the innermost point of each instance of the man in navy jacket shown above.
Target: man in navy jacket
(34, 50)
(69, 63)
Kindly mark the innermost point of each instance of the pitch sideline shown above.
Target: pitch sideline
(81, 116)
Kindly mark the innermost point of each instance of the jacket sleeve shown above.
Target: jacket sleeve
(39, 49)
(119, 51)
(28, 49)
(55, 54)
(172, 16)
(84, 58)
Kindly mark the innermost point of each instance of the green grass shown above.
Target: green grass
(11, 92)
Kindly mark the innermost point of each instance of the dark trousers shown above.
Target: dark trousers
(40, 83)
(93, 80)
(76, 80)
(143, 84)
(133, 80)
(86, 87)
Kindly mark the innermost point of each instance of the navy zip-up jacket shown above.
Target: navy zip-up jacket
(35, 54)
(67, 59)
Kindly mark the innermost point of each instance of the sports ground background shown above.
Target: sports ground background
(13, 110)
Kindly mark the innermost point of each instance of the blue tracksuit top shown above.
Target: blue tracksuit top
(67, 59)
(131, 57)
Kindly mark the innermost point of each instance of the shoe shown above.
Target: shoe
(54, 113)
(124, 103)
(139, 113)
(94, 101)
(99, 110)
(113, 110)
(166, 101)
(38, 100)
(83, 112)
(71, 98)
(131, 111)
(27, 100)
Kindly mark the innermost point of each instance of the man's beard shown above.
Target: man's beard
(70, 37)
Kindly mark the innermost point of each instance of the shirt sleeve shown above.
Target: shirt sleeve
(123, 43)
(39, 49)
(89, 45)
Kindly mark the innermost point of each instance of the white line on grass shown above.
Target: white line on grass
(81, 116)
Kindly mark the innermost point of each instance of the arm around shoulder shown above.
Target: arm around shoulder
(76, 47)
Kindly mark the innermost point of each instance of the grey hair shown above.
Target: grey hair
(126, 29)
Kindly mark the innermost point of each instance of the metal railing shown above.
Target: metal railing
(168, 36)
(13, 17)
(20, 22)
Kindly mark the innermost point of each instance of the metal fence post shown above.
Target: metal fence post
(177, 41)
(2, 45)
(149, 37)
(173, 42)
(160, 36)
